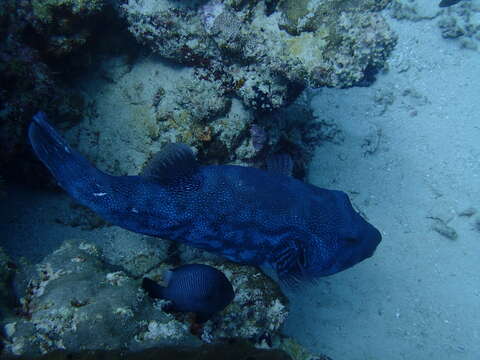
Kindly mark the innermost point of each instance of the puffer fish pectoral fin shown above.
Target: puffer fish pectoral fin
(280, 164)
(175, 161)
(288, 262)
(153, 289)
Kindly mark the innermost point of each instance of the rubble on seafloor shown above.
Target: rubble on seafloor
(75, 300)
(460, 22)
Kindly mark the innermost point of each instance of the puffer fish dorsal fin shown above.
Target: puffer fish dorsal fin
(174, 161)
(280, 164)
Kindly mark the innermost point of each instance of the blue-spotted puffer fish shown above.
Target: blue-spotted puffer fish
(245, 214)
(196, 288)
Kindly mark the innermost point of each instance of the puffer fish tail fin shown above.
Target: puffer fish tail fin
(71, 170)
(153, 289)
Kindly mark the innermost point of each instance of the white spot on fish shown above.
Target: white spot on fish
(99, 194)
(67, 149)
(135, 210)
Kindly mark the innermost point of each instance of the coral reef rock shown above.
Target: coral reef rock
(135, 253)
(241, 60)
(257, 311)
(7, 269)
(265, 51)
(140, 108)
(27, 82)
(75, 300)
(45, 43)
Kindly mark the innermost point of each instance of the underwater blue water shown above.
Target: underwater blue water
(405, 148)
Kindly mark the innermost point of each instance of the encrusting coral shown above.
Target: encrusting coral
(328, 43)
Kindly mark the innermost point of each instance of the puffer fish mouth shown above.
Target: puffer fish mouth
(365, 249)
(347, 257)
(374, 237)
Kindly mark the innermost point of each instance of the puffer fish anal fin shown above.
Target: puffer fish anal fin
(173, 162)
(280, 164)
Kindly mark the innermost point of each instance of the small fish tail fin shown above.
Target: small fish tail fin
(71, 170)
(153, 289)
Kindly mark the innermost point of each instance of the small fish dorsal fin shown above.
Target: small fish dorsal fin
(174, 161)
(280, 164)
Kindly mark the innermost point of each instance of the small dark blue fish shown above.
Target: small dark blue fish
(446, 3)
(196, 288)
(245, 214)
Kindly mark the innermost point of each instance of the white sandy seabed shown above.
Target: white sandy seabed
(413, 167)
